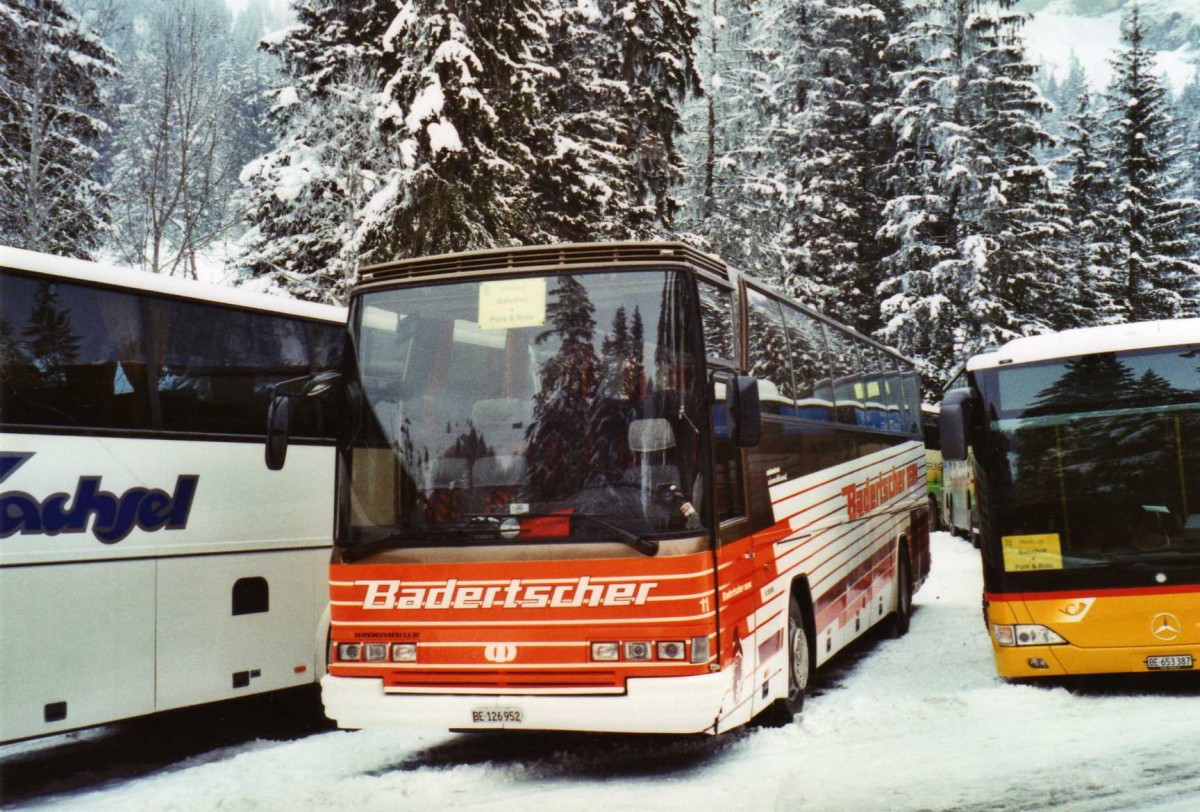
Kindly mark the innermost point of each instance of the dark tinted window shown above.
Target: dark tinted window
(810, 365)
(73, 355)
(217, 367)
(875, 365)
(716, 317)
(848, 389)
(769, 354)
(70, 356)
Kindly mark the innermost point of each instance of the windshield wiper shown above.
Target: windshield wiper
(642, 544)
(481, 528)
(472, 530)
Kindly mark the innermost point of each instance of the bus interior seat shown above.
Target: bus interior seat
(449, 472)
(651, 435)
(654, 476)
(501, 471)
(502, 422)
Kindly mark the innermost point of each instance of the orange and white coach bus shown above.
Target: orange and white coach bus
(609, 488)
(1086, 448)
(147, 562)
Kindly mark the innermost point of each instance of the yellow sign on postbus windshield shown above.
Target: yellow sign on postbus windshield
(1028, 553)
(511, 303)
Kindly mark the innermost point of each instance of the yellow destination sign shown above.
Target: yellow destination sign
(1028, 553)
(512, 303)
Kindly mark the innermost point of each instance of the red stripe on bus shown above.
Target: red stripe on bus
(1115, 592)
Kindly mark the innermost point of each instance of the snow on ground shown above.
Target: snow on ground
(919, 723)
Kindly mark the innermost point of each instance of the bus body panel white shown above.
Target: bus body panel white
(144, 623)
(83, 635)
(206, 653)
(281, 514)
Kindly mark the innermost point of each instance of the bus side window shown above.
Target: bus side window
(849, 392)
(70, 356)
(814, 389)
(770, 355)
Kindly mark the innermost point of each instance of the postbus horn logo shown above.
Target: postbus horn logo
(147, 509)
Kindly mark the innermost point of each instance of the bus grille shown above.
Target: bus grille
(514, 679)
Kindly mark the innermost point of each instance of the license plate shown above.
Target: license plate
(1171, 662)
(496, 716)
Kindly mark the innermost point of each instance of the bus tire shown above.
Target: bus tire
(935, 518)
(784, 710)
(902, 616)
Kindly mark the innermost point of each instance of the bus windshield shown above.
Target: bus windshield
(1100, 454)
(522, 409)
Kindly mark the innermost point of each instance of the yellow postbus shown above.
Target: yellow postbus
(1086, 448)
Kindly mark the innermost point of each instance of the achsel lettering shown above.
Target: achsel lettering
(862, 498)
(513, 595)
(147, 509)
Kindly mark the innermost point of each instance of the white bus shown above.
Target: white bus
(146, 561)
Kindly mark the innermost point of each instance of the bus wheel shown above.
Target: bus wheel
(935, 519)
(904, 592)
(800, 670)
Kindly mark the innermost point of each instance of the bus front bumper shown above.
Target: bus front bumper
(1023, 662)
(666, 705)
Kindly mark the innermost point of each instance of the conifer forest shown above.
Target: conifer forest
(906, 166)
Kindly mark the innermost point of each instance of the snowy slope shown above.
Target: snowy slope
(1091, 30)
(919, 723)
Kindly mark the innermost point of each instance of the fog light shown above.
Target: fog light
(1037, 662)
(605, 651)
(670, 650)
(637, 651)
(404, 652)
(700, 649)
(349, 652)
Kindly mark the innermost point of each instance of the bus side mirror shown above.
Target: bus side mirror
(741, 395)
(321, 383)
(956, 408)
(279, 420)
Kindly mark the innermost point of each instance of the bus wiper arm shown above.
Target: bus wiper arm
(642, 544)
(356, 551)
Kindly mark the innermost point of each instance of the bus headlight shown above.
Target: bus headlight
(349, 652)
(670, 650)
(1026, 634)
(639, 650)
(700, 649)
(404, 652)
(606, 651)
(375, 652)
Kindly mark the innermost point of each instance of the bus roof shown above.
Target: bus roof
(115, 276)
(1090, 340)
